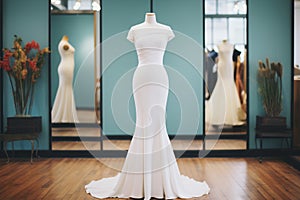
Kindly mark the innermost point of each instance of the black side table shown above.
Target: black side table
(284, 134)
(11, 137)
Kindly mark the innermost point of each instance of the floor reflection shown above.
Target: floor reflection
(113, 144)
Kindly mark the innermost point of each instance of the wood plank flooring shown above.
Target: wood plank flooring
(228, 178)
(176, 144)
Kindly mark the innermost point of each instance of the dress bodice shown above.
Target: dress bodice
(225, 63)
(150, 42)
(225, 52)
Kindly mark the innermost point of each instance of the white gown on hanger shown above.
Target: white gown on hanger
(150, 168)
(64, 109)
(223, 106)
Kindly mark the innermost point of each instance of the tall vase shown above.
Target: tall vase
(23, 93)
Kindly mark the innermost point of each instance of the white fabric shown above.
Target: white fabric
(224, 105)
(64, 109)
(150, 168)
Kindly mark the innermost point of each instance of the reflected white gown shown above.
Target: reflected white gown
(150, 168)
(64, 109)
(224, 105)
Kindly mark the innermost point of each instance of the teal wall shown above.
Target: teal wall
(29, 20)
(118, 64)
(269, 36)
(80, 30)
(184, 64)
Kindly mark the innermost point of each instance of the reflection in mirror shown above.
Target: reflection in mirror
(75, 75)
(225, 74)
(64, 108)
(72, 65)
(75, 24)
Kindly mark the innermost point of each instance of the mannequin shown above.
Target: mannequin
(150, 168)
(224, 107)
(64, 109)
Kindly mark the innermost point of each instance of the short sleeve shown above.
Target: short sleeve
(171, 34)
(130, 36)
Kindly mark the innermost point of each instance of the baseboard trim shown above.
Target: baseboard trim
(128, 137)
(178, 153)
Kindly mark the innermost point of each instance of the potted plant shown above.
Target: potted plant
(270, 89)
(23, 65)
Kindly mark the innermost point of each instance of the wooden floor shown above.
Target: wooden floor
(176, 144)
(228, 178)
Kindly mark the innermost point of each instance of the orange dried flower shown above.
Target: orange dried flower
(21, 64)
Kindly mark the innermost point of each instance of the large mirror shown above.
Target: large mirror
(226, 73)
(75, 74)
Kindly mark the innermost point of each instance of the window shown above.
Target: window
(225, 19)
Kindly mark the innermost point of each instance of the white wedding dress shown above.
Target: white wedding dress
(224, 107)
(64, 109)
(150, 168)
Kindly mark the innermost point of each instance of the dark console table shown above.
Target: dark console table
(11, 137)
(272, 128)
(284, 134)
(22, 128)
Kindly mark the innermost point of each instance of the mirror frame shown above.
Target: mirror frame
(246, 136)
(80, 124)
(84, 124)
